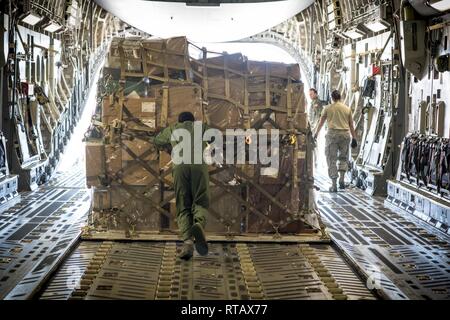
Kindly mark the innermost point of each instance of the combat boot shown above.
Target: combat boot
(200, 240)
(187, 251)
(333, 187)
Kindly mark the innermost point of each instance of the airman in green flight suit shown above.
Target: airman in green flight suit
(191, 185)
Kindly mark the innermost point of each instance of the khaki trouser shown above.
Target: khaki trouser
(191, 184)
(337, 150)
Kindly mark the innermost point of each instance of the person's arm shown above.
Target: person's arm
(162, 139)
(352, 127)
(354, 143)
(323, 118)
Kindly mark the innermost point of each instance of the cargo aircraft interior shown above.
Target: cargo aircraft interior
(342, 103)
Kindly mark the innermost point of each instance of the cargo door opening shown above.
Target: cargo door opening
(73, 157)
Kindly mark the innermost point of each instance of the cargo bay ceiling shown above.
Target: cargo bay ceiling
(203, 21)
(311, 31)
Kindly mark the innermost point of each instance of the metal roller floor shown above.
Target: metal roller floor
(151, 270)
(37, 230)
(397, 256)
(403, 257)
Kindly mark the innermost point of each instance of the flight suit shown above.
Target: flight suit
(315, 111)
(337, 139)
(191, 183)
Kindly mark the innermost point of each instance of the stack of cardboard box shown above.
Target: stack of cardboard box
(146, 84)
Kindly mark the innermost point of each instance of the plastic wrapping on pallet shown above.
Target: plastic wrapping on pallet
(113, 159)
(281, 193)
(179, 98)
(271, 197)
(231, 89)
(223, 114)
(251, 89)
(171, 52)
(274, 69)
(157, 59)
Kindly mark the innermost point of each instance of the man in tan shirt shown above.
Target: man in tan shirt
(340, 125)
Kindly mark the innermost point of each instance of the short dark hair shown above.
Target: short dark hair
(186, 116)
(336, 95)
(313, 89)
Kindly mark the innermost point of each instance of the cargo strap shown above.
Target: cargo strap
(226, 77)
(144, 61)
(165, 106)
(239, 199)
(166, 69)
(130, 117)
(118, 177)
(267, 88)
(122, 79)
(289, 100)
(246, 102)
(266, 118)
(249, 207)
(144, 164)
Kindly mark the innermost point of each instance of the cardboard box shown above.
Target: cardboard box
(115, 209)
(113, 159)
(136, 175)
(141, 147)
(275, 69)
(224, 212)
(223, 114)
(165, 163)
(157, 54)
(95, 163)
(172, 51)
(139, 114)
(179, 99)
(301, 121)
